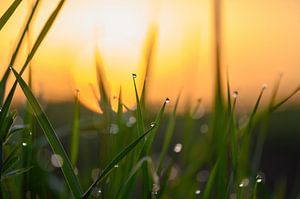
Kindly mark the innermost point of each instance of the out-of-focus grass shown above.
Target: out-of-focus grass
(113, 156)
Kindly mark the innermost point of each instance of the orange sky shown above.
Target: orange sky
(260, 40)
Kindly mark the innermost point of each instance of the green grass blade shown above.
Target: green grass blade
(5, 17)
(140, 121)
(276, 106)
(211, 180)
(158, 118)
(116, 160)
(75, 130)
(168, 136)
(54, 142)
(102, 85)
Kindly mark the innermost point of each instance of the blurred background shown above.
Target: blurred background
(260, 41)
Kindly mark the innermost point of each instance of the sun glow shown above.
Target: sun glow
(253, 45)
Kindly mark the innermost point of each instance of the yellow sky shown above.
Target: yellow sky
(260, 40)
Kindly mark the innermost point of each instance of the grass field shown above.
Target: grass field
(147, 152)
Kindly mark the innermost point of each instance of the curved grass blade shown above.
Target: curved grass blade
(5, 17)
(53, 140)
(116, 160)
(276, 106)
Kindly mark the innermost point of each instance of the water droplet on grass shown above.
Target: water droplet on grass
(235, 94)
(134, 75)
(197, 192)
(116, 166)
(167, 101)
(24, 144)
(57, 160)
(264, 86)
(244, 182)
(178, 148)
(152, 124)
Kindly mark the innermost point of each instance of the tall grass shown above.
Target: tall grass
(124, 160)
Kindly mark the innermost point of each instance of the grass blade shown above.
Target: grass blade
(116, 160)
(5, 17)
(168, 136)
(75, 130)
(140, 121)
(54, 142)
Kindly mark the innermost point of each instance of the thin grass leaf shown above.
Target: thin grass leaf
(102, 85)
(210, 182)
(75, 130)
(157, 122)
(8, 13)
(53, 140)
(116, 160)
(140, 121)
(276, 106)
(168, 136)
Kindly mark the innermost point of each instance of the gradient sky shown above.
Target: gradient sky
(260, 40)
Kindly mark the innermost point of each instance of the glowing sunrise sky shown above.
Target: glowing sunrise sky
(260, 39)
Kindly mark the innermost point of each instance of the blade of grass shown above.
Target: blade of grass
(168, 136)
(140, 121)
(53, 140)
(116, 160)
(8, 13)
(75, 130)
(276, 106)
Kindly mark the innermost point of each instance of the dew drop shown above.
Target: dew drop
(178, 148)
(10, 68)
(167, 101)
(260, 178)
(235, 94)
(57, 160)
(134, 75)
(116, 166)
(152, 124)
(24, 144)
(132, 120)
(244, 182)
(197, 192)
(264, 86)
